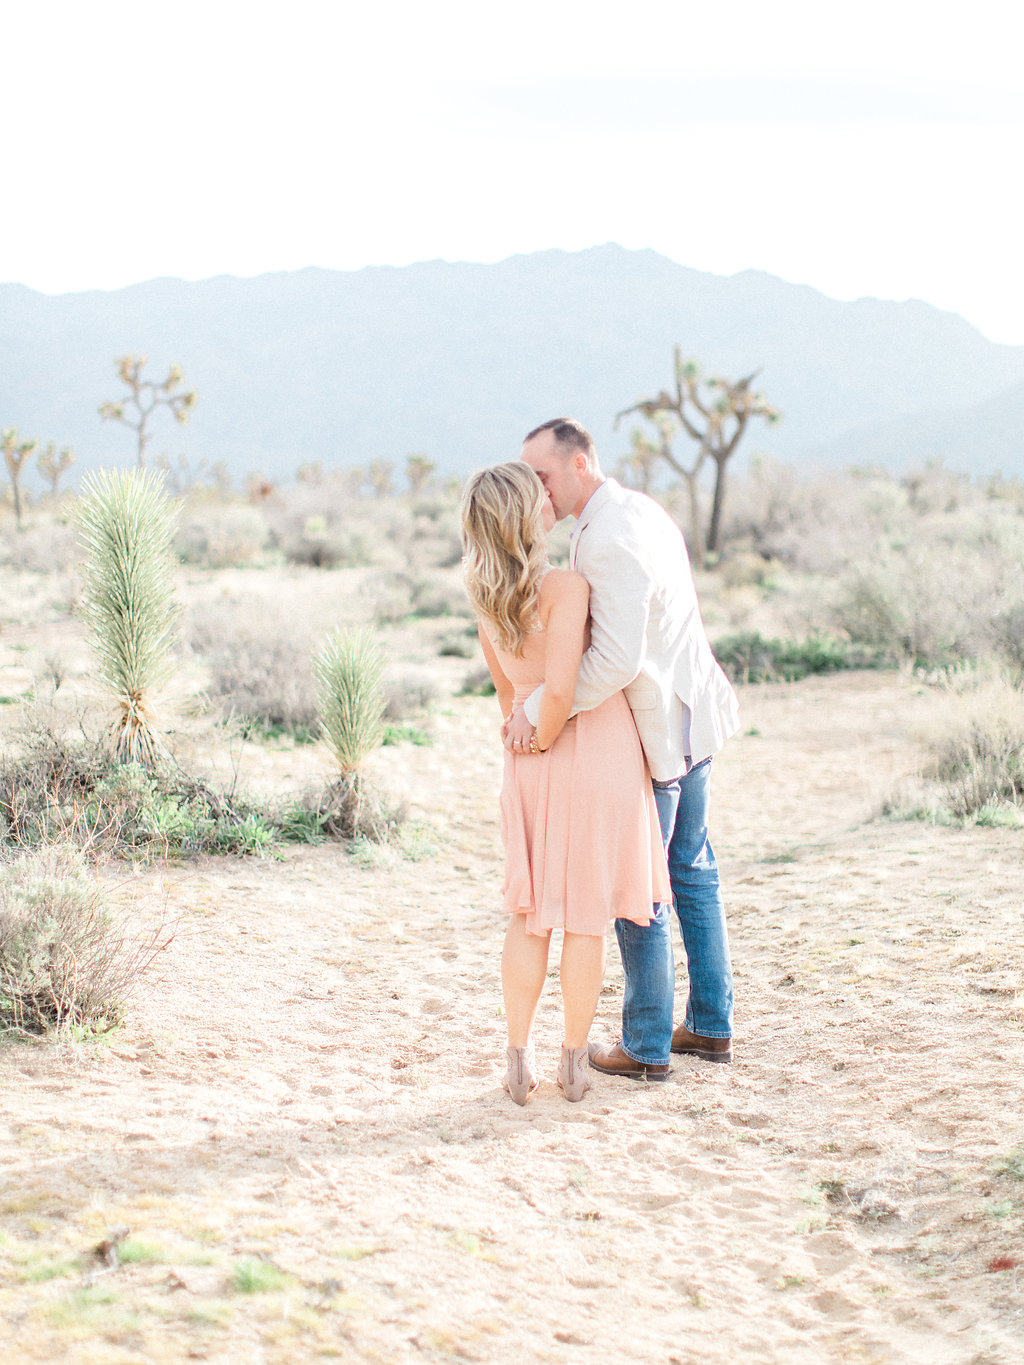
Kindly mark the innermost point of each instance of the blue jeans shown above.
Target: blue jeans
(647, 950)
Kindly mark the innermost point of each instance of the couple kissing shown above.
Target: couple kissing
(613, 707)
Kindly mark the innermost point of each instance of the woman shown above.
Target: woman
(582, 840)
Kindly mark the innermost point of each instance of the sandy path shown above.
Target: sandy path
(313, 1078)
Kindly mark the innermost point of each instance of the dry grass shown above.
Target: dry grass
(975, 742)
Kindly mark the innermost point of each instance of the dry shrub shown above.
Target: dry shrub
(220, 536)
(976, 741)
(47, 545)
(436, 540)
(925, 567)
(325, 525)
(67, 958)
(258, 652)
(408, 693)
(45, 781)
(953, 593)
(432, 594)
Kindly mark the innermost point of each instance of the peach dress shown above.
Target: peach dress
(583, 844)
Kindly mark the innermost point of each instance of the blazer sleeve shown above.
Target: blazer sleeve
(620, 606)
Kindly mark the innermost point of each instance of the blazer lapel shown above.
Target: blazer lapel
(597, 499)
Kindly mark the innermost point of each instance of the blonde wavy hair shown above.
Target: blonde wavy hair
(505, 553)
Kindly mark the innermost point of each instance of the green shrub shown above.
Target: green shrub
(478, 683)
(749, 657)
(56, 790)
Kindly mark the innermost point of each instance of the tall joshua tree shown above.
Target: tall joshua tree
(144, 397)
(16, 452)
(126, 523)
(714, 413)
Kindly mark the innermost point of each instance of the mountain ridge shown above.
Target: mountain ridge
(457, 360)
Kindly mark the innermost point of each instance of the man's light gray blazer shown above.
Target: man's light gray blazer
(647, 636)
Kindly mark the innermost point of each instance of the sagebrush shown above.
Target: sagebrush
(68, 959)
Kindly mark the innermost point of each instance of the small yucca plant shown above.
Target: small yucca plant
(348, 669)
(127, 524)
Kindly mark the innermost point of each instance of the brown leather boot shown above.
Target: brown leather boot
(612, 1061)
(707, 1049)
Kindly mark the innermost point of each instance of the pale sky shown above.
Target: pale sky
(866, 149)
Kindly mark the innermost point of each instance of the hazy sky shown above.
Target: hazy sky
(864, 149)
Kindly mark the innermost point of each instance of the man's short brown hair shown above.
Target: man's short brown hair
(570, 434)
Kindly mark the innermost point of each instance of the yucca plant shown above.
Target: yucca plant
(348, 669)
(127, 525)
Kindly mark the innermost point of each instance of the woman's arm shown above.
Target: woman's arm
(566, 627)
(506, 692)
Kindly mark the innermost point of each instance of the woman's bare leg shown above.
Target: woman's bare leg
(524, 965)
(582, 972)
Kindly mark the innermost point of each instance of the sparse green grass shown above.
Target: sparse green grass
(258, 1277)
(997, 1208)
(410, 843)
(39, 1268)
(1011, 1165)
(405, 734)
(132, 1252)
(791, 1282)
(85, 1307)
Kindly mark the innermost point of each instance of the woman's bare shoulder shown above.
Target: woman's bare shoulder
(564, 585)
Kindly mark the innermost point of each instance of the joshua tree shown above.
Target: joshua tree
(52, 465)
(418, 470)
(638, 466)
(713, 412)
(16, 452)
(380, 475)
(127, 523)
(144, 397)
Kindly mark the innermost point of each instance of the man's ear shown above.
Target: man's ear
(579, 462)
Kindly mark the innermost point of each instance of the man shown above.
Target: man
(647, 637)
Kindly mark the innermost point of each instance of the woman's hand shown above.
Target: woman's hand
(517, 732)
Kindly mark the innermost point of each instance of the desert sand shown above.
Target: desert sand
(305, 1099)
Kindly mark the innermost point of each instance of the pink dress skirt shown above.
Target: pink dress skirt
(583, 844)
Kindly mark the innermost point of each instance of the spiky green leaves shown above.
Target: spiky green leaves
(348, 669)
(127, 524)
